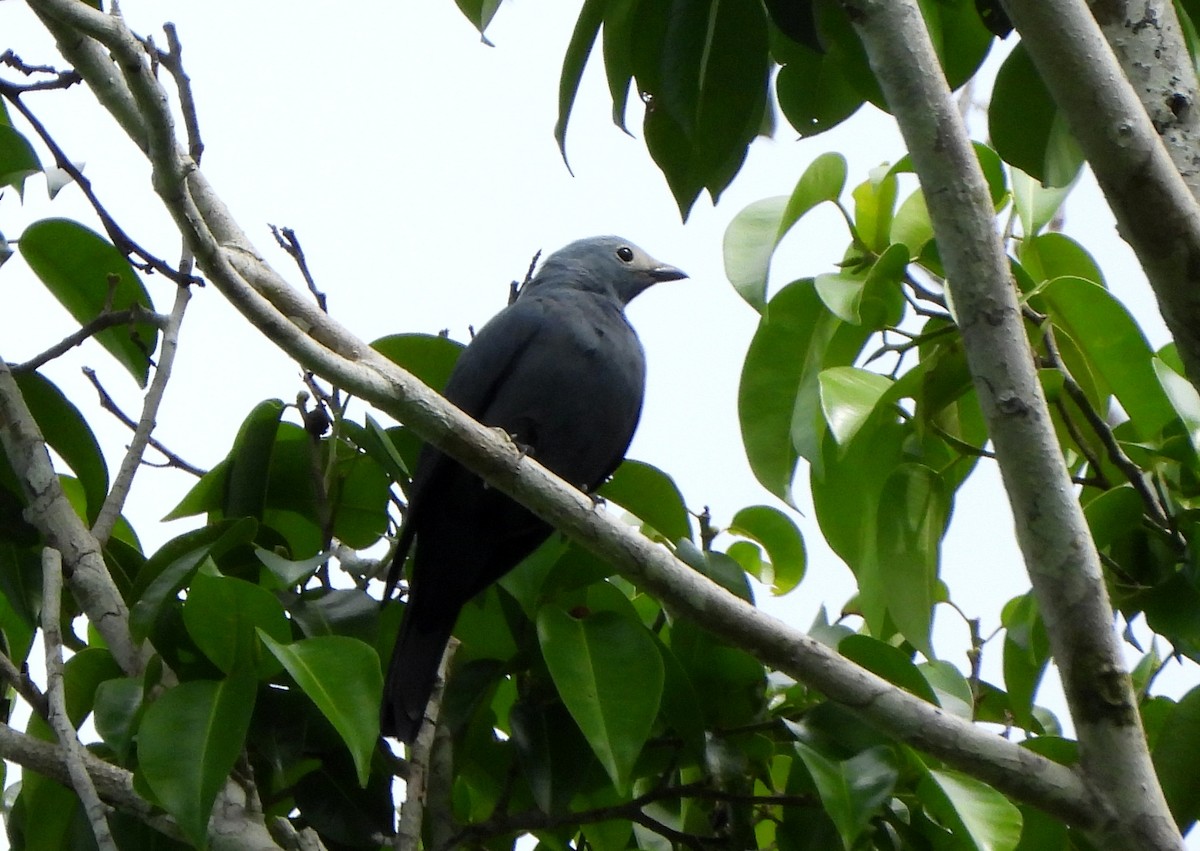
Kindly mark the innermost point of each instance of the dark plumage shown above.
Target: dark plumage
(562, 371)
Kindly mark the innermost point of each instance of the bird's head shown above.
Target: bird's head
(607, 264)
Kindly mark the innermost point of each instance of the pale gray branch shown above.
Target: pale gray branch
(51, 512)
(73, 750)
(1155, 211)
(110, 512)
(1051, 529)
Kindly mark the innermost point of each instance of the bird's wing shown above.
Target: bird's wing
(476, 378)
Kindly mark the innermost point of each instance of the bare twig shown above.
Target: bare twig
(107, 319)
(110, 512)
(124, 243)
(24, 685)
(107, 403)
(173, 62)
(81, 782)
(289, 242)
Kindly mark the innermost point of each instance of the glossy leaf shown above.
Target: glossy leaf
(608, 672)
(250, 460)
(1024, 125)
(889, 662)
(1026, 654)
(68, 433)
(976, 813)
(118, 711)
(782, 540)
(1114, 347)
(329, 669)
(18, 160)
(430, 357)
(222, 613)
(874, 205)
(755, 232)
(587, 28)
(1176, 752)
(1183, 397)
(848, 397)
(1036, 205)
(652, 496)
(778, 399)
(854, 790)
(705, 68)
(88, 275)
(188, 741)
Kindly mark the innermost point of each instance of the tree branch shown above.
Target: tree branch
(1156, 212)
(63, 529)
(110, 512)
(1051, 529)
(73, 749)
(320, 344)
(105, 320)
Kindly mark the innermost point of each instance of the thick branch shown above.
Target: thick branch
(1051, 529)
(318, 343)
(64, 530)
(1156, 212)
(1147, 40)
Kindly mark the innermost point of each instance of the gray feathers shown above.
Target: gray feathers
(562, 371)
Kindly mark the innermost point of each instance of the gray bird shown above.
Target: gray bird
(562, 371)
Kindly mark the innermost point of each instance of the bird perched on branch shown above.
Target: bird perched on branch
(562, 371)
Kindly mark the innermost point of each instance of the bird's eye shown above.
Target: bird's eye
(625, 253)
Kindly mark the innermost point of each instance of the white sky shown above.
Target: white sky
(420, 172)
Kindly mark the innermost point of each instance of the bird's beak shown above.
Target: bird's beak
(667, 273)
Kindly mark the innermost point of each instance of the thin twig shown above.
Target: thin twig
(124, 243)
(412, 811)
(106, 320)
(119, 492)
(107, 403)
(173, 62)
(24, 685)
(289, 242)
(81, 781)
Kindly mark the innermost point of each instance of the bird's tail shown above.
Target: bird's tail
(412, 674)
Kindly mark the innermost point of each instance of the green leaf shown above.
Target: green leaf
(329, 669)
(18, 160)
(88, 275)
(913, 511)
(360, 500)
(1176, 752)
(781, 538)
(430, 357)
(610, 676)
(250, 461)
(587, 27)
(1026, 653)
(1184, 399)
(652, 496)
(854, 790)
(912, 226)
(188, 741)
(951, 687)
(889, 662)
(1036, 205)
(848, 397)
(989, 163)
(975, 812)
(1114, 347)
(1055, 255)
(874, 204)
(779, 398)
(68, 434)
(754, 234)
(817, 90)
(221, 615)
(479, 13)
(118, 710)
(1024, 125)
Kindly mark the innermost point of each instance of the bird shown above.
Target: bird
(561, 370)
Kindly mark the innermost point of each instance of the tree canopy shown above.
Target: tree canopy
(621, 689)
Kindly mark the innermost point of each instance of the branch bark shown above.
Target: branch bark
(52, 514)
(1051, 530)
(1155, 210)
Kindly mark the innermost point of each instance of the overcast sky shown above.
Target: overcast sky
(419, 169)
